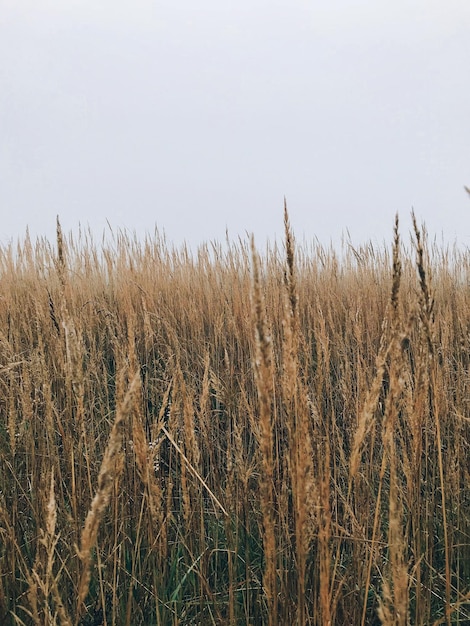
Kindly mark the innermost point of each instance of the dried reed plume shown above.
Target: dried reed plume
(108, 478)
(263, 366)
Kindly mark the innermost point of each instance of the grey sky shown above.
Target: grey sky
(201, 116)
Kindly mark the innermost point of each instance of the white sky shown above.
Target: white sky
(200, 116)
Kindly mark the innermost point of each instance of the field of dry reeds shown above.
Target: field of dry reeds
(234, 437)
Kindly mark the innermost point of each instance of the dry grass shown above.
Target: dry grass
(233, 438)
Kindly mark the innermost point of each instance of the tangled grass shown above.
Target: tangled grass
(229, 438)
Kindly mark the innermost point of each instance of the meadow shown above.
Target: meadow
(234, 436)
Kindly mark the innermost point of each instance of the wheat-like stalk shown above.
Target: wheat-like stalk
(263, 366)
(109, 475)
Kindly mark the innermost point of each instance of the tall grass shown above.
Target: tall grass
(229, 437)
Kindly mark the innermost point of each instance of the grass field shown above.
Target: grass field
(233, 437)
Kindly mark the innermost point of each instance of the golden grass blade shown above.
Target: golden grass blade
(109, 475)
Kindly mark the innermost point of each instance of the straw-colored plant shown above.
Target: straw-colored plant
(233, 437)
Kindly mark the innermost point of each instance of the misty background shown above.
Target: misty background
(198, 118)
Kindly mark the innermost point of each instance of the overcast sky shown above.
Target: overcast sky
(199, 117)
